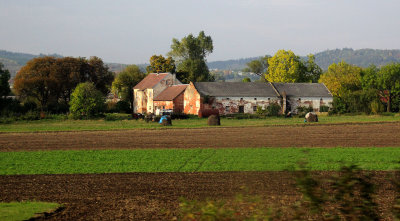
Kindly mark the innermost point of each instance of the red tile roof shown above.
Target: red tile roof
(171, 93)
(150, 81)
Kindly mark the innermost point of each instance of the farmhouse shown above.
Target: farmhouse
(149, 88)
(158, 92)
(170, 99)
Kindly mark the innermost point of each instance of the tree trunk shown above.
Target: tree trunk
(389, 101)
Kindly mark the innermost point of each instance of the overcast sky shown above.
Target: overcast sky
(129, 31)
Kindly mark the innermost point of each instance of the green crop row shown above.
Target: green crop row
(194, 160)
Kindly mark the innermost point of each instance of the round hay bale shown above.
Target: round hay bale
(214, 120)
(166, 121)
(311, 117)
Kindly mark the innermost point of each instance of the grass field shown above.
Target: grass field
(191, 160)
(24, 210)
(77, 125)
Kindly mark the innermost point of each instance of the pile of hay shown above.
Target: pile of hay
(311, 117)
(214, 120)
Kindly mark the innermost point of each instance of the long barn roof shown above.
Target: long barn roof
(235, 89)
(303, 89)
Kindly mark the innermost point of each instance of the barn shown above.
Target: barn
(228, 97)
(312, 95)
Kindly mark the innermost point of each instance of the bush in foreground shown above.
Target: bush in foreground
(86, 101)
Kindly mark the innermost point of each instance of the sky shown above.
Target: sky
(131, 31)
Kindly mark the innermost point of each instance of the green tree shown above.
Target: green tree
(86, 101)
(4, 85)
(125, 81)
(389, 80)
(342, 78)
(190, 54)
(285, 66)
(313, 71)
(369, 77)
(159, 64)
(259, 66)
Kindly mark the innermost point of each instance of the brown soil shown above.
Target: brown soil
(346, 135)
(143, 196)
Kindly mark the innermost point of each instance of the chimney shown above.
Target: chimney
(173, 78)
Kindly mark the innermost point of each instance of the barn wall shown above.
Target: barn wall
(191, 101)
(315, 102)
(179, 103)
(230, 105)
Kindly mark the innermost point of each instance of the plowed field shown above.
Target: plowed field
(142, 196)
(353, 135)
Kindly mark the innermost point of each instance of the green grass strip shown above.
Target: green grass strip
(24, 210)
(191, 160)
(100, 124)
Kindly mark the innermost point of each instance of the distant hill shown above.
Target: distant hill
(363, 57)
(234, 64)
(13, 61)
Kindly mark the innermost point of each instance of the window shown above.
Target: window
(254, 108)
(255, 98)
(227, 98)
(299, 99)
(163, 107)
(269, 99)
(227, 108)
(241, 99)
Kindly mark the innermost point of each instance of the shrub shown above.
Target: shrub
(180, 116)
(303, 110)
(123, 107)
(273, 109)
(86, 101)
(376, 107)
(261, 111)
(323, 108)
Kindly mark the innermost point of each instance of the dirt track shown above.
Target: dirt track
(356, 135)
(141, 196)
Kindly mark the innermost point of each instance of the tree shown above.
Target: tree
(285, 66)
(100, 75)
(49, 79)
(369, 77)
(125, 81)
(190, 54)
(4, 85)
(342, 78)
(259, 66)
(35, 80)
(159, 64)
(313, 71)
(389, 80)
(86, 101)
